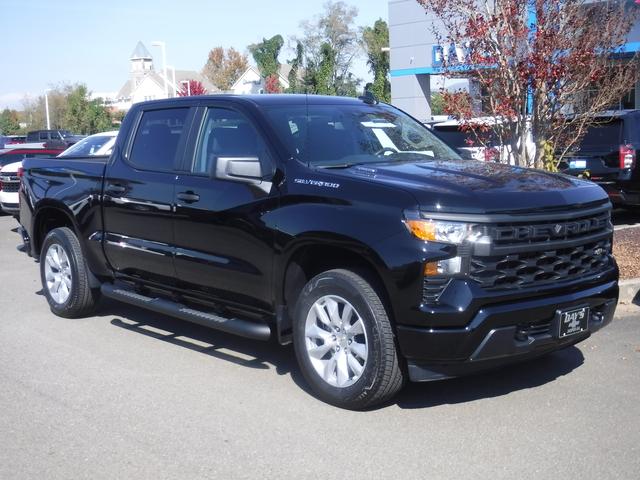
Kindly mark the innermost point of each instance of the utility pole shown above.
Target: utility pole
(163, 47)
(46, 107)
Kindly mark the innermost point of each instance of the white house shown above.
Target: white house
(251, 82)
(145, 83)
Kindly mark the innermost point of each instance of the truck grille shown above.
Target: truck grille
(535, 268)
(10, 187)
(522, 233)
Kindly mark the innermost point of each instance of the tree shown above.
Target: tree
(320, 77)
(297, 63)
(9, 123)
(70, 108)
(549, 77)
(437, 104)
(272, 84)
(84, 115)
(266, 55)
(194, 87)
(375, 41)
(224, 67)
(334, 28)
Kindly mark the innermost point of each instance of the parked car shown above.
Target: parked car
(53, 138)
(467, 145)
(100, 144)
(10, 163)
(341, 225)
(16, 139)
(607, 155)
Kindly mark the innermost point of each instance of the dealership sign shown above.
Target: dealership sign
(450, 55)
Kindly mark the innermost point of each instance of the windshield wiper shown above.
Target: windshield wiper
(342, 165)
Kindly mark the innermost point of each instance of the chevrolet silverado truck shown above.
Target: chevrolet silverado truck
(341, 225)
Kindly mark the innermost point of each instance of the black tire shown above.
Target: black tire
(82, 298)
(382, 376)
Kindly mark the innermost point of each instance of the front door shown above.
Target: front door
(224, 245)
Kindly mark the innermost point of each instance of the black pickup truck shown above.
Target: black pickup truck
(341, 225)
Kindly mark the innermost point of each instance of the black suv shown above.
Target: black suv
(608, 155)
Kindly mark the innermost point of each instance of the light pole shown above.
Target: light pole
(46, 107)
(173, 79)
(188, 82)
(163, 47)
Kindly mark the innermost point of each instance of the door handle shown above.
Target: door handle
(115, 189)
(188, 197)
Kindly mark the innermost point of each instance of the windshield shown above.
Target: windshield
(88, 147)
(344, 135)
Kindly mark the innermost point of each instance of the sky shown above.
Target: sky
(49, 42)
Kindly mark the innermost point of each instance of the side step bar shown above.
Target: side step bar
(243, 328)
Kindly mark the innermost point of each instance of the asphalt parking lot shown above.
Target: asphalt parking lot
(129, 394)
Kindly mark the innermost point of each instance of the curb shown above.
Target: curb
(629, 290)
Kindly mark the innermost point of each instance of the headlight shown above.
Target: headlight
(455, 233)
(440, 231)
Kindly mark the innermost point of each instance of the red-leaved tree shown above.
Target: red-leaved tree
(194, 87)
(272, 84)
(544, 67)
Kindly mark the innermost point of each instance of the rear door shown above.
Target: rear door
(224, 244)
(139, 193)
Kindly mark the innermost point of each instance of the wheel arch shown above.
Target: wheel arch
(308, 257)
(50, 215)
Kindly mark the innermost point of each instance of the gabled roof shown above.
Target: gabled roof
(128, 89)
(283, 74)
(140, 52)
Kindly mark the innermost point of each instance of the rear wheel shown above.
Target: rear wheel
(344, 342)
(64, 275)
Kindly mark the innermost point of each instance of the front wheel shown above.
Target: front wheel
(64, 275)
(344, 342)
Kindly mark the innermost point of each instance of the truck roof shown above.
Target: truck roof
(265, 99)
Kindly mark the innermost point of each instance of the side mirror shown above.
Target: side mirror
(247, 169)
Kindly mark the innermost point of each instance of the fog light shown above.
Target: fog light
(450, 266)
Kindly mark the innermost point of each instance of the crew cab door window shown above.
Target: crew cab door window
(227, 133)
(156, 144)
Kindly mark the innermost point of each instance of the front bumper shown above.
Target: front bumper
(10, 208)
(502, 333)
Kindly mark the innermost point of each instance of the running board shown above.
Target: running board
(242, 328)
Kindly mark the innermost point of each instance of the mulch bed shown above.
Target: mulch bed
(626, 248)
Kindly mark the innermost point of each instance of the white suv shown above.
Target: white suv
(9, 187)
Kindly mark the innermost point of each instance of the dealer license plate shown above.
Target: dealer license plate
(573, 321)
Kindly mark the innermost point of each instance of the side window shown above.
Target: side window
(227, 133)
(155, 145)
(44, 135)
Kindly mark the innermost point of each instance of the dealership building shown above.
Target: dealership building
(416, 56)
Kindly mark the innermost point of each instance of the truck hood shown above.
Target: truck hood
(464, 186)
